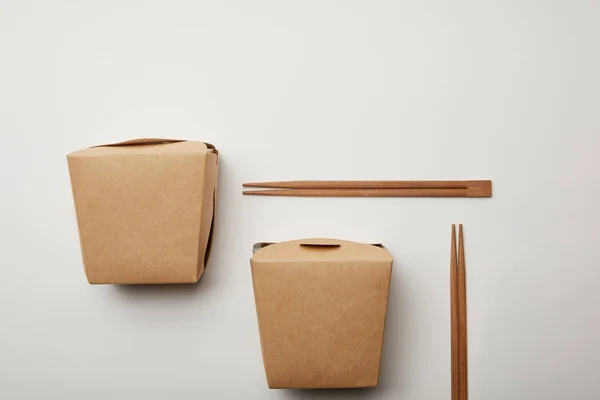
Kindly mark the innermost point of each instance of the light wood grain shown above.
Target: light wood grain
(462, 318)
(360, 192)
(454, 317)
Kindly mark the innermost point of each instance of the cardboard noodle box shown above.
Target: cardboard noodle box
(145, 209)
(321, 306)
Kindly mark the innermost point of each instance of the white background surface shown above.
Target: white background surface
(502, 90)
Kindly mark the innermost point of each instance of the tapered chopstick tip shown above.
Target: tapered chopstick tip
(252, 184)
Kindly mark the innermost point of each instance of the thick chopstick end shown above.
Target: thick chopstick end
(479, 189)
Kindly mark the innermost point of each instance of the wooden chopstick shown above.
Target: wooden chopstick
(454, 351)
(481, 184)
(365, 192)
(462, 317)
(372, 188)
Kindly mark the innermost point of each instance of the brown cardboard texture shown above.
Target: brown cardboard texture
(321, 306)
(145, 209)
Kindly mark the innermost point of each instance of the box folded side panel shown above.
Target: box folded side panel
(321, 321)
(139, 211)
(75, 178)
(208, 210)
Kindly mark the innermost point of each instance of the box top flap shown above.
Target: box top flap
(320, 250)
(140, 142)
(147, 146)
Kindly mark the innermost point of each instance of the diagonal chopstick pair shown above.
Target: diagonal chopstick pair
(470, 188)
(458, 317)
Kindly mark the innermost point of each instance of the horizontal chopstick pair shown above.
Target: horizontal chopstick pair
(458, 317)
(479, 188)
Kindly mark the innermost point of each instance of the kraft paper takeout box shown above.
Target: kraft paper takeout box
(145, 209)
(321, 306)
